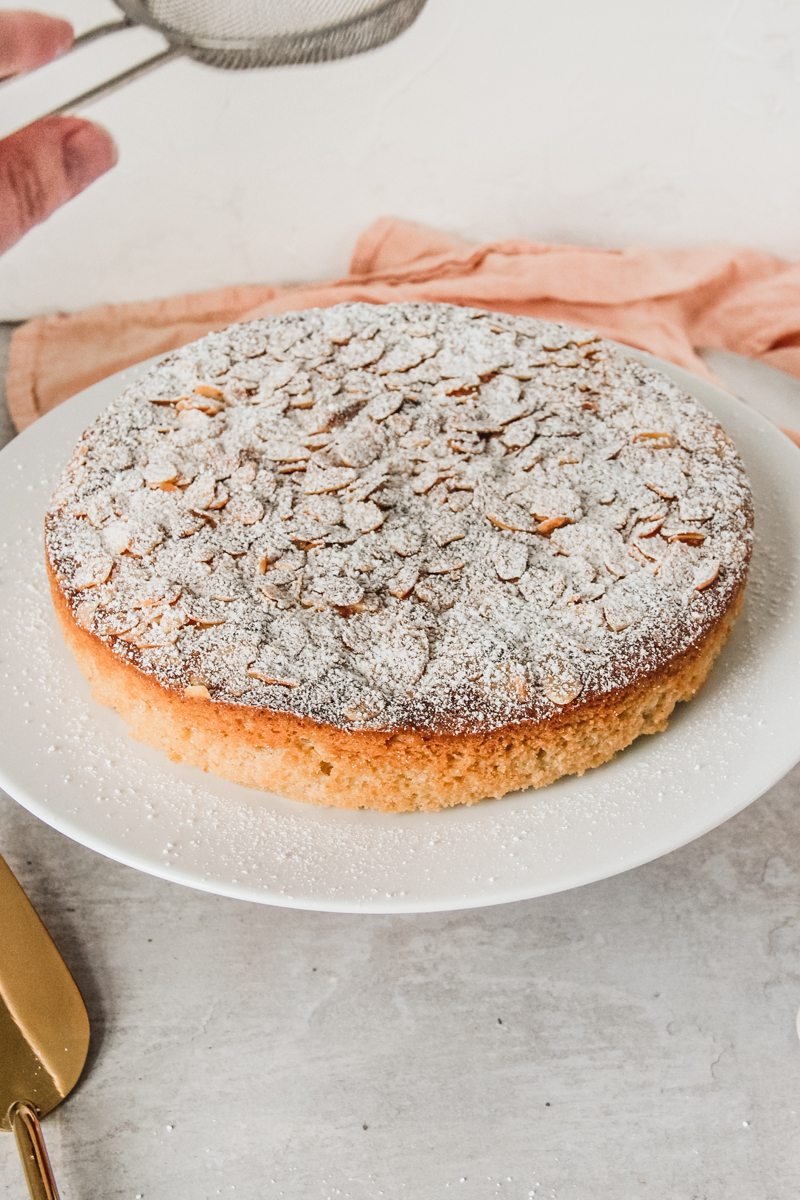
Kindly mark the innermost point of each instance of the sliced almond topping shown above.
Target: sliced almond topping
(448, 530)
(696, 508)
(457, 387)
(94, 572)
(660, 490)
(459, 502)
(268, 677)
(368, 484)
(619, 612)
(692, 537)
(404, 582)
(309, 600)
(246, 508)
(510, 560)
(646, 549)
(197, 691)
(407, 354)
(284, 452)
(361, 352)
(650, 529)
(516, 680)
(202, 404)
(117, 537)
(351, 449)
(84, 613)
(443, 566)
(284, 504)
(321, 480)
(309, 534)
(209, 391)
(511, 518)
(637, 552)
(246, 473)
(560, 680)
(436, 593)
(342, 593)
(160, 471)
(519, 433)
(383, 406)
(280, 374)
(280, 583)
(545, 528)
(706, 574)
(122, 627)
(655, 439)
(404, 541)
(326, 509)
(428, 479)
(465, 443)
(316, 441)
(363, 517)
(616, 567)
(200, 494)
(221, 497)
(204, 517)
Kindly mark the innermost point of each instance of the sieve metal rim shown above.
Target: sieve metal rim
(354, 35)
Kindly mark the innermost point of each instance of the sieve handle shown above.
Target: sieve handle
(91, 35)
(117, 81)
(108, 85)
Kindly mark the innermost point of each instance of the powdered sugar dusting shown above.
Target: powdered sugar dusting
(408, 515)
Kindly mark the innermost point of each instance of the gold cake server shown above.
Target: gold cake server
(44, 1031)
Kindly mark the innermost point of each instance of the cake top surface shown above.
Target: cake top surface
(412, 515)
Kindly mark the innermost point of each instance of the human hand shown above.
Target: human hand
(49, 162)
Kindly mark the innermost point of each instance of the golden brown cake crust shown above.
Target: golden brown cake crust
(392, 771)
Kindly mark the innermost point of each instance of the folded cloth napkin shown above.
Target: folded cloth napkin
(670, 302)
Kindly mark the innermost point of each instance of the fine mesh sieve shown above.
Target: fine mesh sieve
(242, 34)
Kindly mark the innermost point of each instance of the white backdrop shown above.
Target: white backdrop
(674, 122)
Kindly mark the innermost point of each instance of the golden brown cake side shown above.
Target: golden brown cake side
(395, 771)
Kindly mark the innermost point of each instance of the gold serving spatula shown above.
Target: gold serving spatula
(44, 1031)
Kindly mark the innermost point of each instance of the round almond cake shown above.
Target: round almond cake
(399, 557)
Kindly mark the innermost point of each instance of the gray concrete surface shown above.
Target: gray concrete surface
(635, 1038)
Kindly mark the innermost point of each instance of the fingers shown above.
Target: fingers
(43, 166)
(29, 40)
(46, 164)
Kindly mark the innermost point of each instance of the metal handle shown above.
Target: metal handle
(117, 81)
(33, 1152)
(91, 35)
(108, 85)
